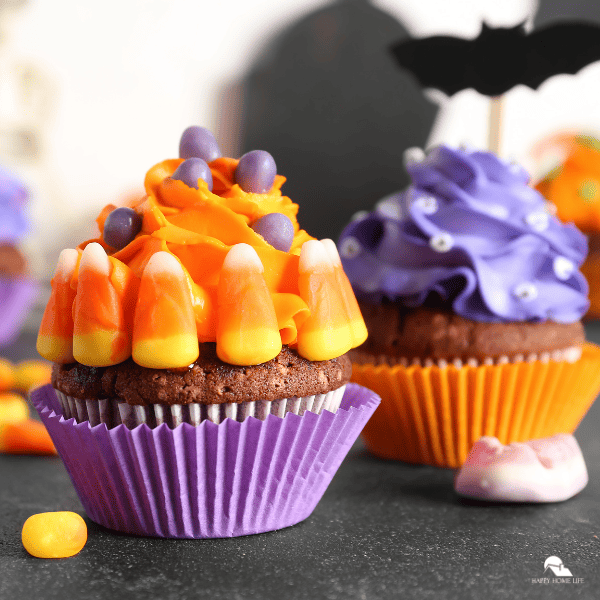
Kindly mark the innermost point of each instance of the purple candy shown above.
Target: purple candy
(199, 142)
(277, 229)
(121, 226)
(470, 230)
(256, 172)
(192, 169)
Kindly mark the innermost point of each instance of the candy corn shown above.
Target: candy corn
(32, 373)
(100, 336)
(54, 534)
(55, 338)
(13, 408)
(164, 329)
(326, 334)
(247, 330)
(357, 324)
(7, 374)
(25, 437)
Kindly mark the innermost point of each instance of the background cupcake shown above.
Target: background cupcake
(472, 296)
(183, 337)
(17, 290)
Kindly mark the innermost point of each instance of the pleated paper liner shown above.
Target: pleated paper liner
(433, 415)
(208, 481)
(112, 413)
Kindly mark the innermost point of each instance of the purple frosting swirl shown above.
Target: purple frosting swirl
(470, 229)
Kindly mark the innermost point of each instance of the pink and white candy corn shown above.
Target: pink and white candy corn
(546, 470)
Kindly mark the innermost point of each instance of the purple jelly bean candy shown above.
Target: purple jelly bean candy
(256, 172)
(276, 229)
(199, 142)
(121, 227)
(192, 169)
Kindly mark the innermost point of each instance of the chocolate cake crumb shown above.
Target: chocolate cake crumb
(437, 333)
(208, 381)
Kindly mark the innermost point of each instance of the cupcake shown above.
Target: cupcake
(471, 293)
(17, 290)
(573, 187)
(200, 380)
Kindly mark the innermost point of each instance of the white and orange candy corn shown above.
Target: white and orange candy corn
(100, 336)
(55, 338)
(326, 333)
(164, 324)
(247, 330)
(357, 324)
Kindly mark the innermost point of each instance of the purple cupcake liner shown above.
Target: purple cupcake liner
(114, 412)
(208, 481)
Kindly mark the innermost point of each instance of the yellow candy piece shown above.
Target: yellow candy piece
(100, 332)
(164, 330)
(247, 331)
(32, 373)
(326, 334)
(54, 534)
(7, 374)
(358, 328)
(13, 408)
(55, 338)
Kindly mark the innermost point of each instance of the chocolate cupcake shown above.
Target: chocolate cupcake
(203, 321)
(472, 297)
(209, 389)
(18, 290)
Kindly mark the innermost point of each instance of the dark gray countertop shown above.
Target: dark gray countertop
(382, 530)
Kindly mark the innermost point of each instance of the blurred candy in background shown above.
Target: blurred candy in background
(20, 434)
(572, 184)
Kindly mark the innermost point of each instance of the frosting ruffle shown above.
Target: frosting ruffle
(106, 306)
(470, 229)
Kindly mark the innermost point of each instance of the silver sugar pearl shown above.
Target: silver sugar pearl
(413, 155)
(427, 204)
(526, 291)
(441, 242)
(563, 267)
(360, 215)
(350, 247)
(538, 221)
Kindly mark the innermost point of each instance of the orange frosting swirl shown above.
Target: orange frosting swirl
(199, 228)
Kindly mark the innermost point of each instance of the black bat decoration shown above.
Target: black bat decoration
(499, 58)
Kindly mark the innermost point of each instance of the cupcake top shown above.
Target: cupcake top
(471, 230)
(212, 253)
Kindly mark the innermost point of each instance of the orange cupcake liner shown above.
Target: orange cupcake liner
(433, 415)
